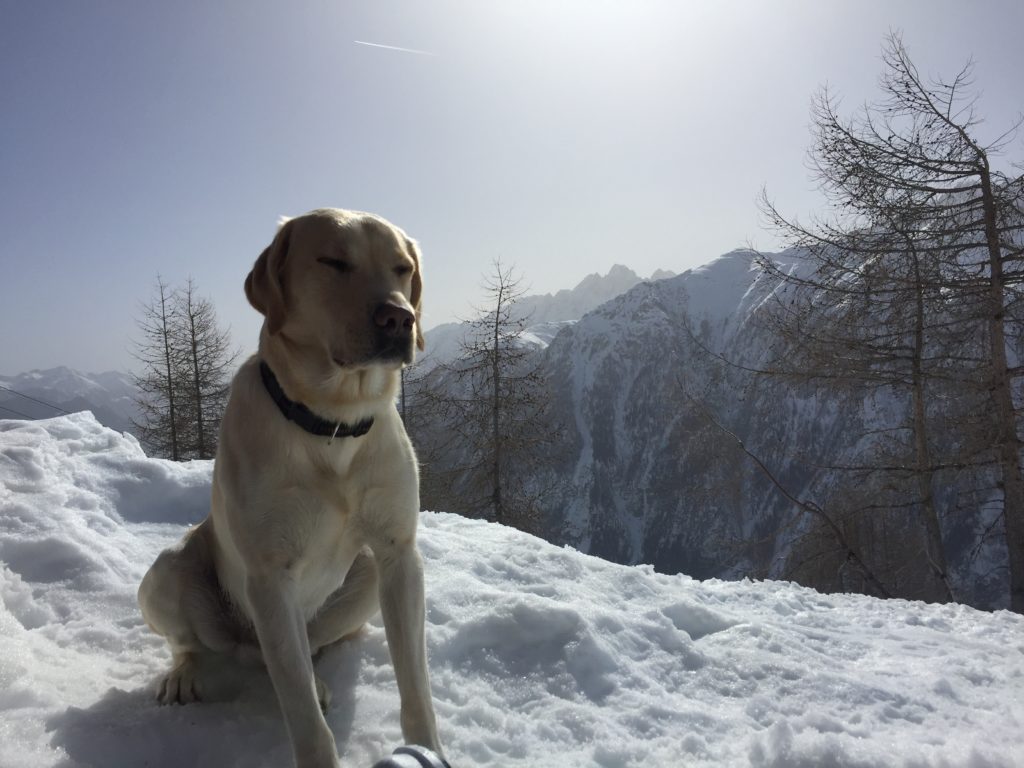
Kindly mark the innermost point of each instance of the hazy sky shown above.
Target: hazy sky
(139, 138)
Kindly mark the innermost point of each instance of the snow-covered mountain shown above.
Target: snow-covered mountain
(650, 475)
(40, 394)
(545, 314)
(648, 481)
(590, 293)
(540, 656)
(643, 474)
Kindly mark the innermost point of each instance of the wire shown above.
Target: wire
(16, 413)
(33, 399)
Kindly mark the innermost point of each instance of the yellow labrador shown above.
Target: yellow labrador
(312, 526)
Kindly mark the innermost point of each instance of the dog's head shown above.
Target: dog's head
(349, 283)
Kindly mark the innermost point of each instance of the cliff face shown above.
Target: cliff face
(645, 472)
(646, 475)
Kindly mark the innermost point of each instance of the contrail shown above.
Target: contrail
(394, 48)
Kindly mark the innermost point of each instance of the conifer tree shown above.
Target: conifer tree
(913, 287)
(483, 419)
(186, 365)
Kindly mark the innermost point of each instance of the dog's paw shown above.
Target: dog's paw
(180, 686)
(323, 694)
(319, 753)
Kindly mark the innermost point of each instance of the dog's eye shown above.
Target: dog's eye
(339, 264)
(403, 270)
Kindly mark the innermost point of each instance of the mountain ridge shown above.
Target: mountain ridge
(656, 388)
(543, 314)
(110, 395)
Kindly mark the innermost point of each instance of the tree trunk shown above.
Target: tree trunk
(934, 549)
(175, 451)
(499, 512)
(1007, 441)
(201, 443)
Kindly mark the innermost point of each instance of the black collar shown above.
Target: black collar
(304, 417)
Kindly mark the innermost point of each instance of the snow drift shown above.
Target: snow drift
(539, 656)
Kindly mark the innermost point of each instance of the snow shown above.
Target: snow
(719, 287)
(539, 656)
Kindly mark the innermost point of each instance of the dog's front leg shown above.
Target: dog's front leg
(281, 629)
(401, 603)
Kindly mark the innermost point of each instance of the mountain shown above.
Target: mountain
(591, 292)
(649, 467)
(540, 656)
(40, 394)
(545, 314)
(648, 480)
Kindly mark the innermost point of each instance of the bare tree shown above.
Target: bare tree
(481, 422)
(919, 261)
(186, 363)
(157, 383)
(207, 361)
(848, 551)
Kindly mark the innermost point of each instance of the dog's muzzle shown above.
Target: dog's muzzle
(395, 324)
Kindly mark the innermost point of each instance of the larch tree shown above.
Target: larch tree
(186, 365)
(483, 418)
(912, 285)
(207, 360)
(157, 383)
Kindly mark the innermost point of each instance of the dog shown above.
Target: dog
(315, 499)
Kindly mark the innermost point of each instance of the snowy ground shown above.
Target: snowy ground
(539, 656)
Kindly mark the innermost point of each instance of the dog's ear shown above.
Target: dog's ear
(417, 287)
(264, 286)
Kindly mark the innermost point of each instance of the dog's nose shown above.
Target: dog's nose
(393, 318)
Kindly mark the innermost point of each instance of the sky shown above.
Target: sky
(144, 138)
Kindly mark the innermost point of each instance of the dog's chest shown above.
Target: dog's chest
(330, 537)
(329, 545)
